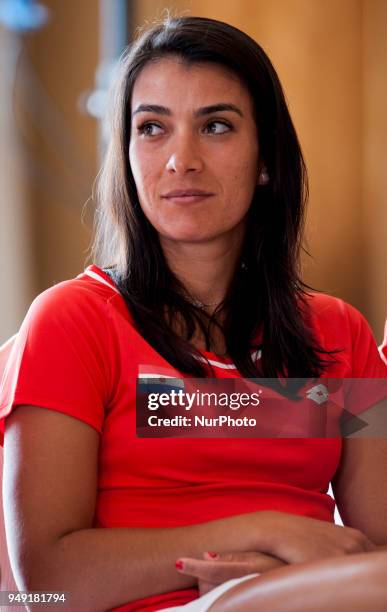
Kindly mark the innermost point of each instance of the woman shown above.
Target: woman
(202, 205)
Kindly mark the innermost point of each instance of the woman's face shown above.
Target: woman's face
(193, 150)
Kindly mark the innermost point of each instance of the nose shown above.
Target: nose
(184, 156)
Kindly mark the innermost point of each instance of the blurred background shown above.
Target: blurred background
(57, 60)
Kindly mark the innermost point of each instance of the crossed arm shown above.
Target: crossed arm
(50, 481)
(356, 583)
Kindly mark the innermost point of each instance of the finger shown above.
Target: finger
(213, 571)
(236, 556)
(258, 562)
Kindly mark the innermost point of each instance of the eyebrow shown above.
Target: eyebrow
(201, 112)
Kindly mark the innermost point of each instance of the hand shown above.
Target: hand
(214, 569)
(299, 539)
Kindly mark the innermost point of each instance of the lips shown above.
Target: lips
(186, 193)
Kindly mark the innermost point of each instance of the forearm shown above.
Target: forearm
(104, 568)
(354, 582)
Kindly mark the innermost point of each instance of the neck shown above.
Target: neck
(206, 269)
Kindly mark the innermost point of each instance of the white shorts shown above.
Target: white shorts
(205, 601)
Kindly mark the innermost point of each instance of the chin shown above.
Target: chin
(189, 234)
(187, 237)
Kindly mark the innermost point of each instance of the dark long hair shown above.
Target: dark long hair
(267, 295)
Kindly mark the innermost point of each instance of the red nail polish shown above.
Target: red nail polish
(179, 565)
(214, 555)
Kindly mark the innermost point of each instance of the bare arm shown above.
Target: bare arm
(360, 486)
(355, 583)
(50, 483)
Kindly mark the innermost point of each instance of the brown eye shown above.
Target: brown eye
(149, 129)
(217, 127)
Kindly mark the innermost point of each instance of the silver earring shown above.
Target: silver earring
(263, 177)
